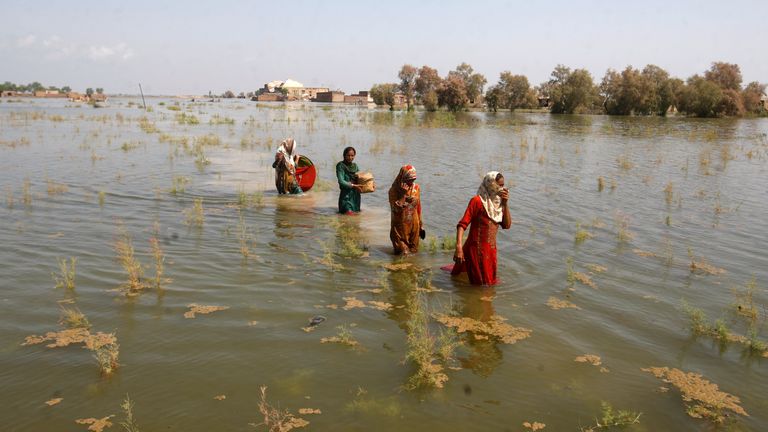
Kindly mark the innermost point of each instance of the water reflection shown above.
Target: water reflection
(484, 354)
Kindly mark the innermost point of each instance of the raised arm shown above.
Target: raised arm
(506, 219)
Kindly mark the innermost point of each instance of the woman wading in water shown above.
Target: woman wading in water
(349, 191)
(285, 163)
(405, 205)
(485, 213)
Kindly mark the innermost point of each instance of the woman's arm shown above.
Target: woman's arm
(341, 176)
(506, 218)
(466, 220)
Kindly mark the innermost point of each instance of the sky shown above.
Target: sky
(191, 47)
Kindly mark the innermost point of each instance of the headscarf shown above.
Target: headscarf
(288, 150)
(489, 195)
(407, 172)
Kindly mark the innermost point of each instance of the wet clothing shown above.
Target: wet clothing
(480, 246)
(285, 168)
(349, 198)
(405, 205)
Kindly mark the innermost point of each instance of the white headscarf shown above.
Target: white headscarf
(288, 154)
(489, 195)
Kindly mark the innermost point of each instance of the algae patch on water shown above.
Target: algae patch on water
(495, 327)
(534, 426)
(592, 359)
(557, 304)
(202, 309)
(703, 399)
(54, 401)
(73, 336)
(96, 425)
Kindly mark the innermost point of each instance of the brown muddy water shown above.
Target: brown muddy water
(624, 229)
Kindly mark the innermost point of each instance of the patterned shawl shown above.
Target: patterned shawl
(288, 150)
(489, 195)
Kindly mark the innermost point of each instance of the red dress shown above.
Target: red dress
(480, 247)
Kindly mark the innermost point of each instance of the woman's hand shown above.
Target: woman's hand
(358, 188)
(458, 256)
(504, 195)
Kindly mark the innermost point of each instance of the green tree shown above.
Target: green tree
(473, 82)
(384, 94)
(516, 92)
(407, 77)
(751, 96)
(571, 91)
(699, 97)
(725, 75)
(89, 91)
(99, 90)
(35, 86)
(453, 93)
(622, 93)
(426, 85)
(494, 98)
(66, 89)
(658, 89)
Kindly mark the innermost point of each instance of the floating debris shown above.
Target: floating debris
(276, 420)
(54, 401)
(534, 426)
(344, 337)
(584, 279)
(704, 267)
(73, 336)
(596, 268)
(703, 399)
(642, 253)
(380, 305)
(370, 290)
(397, 267)
(592, 359)
(352, 303)
(220, 397)
(316, 320)
(252, 323)
(96, 425)
(495, 327)
(557, 304)
(304, 411)
(202, 309)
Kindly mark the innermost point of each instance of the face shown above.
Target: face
(349, 156)
(500, 182)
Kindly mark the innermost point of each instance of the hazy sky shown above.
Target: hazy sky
(189, 47)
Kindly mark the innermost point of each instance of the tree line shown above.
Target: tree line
(650, 91)
(32, 87)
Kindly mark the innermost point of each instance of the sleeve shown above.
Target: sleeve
(418, 202)
(342, 177)
(469, 214)
(392, 198)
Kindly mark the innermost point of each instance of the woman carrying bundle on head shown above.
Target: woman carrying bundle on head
(485, 213)
(285, 163)
(405, 205)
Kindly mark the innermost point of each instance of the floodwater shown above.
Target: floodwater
(276, 262)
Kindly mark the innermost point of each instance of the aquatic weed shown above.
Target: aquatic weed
(133, 268)
(129, 422)
(66, 276)
(195, 215)
(275, 419)
(611, 418)
(72, 318)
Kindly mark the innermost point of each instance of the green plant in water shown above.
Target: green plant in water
(448, 243)
(128, 423)
(195, 215)
(159, 258)
(570, 275)
(245, 238)
(178, 184)
(66, 276)
(621, 222)
(432, 244)
(611, 418)
(581, 234)
(106, 357)
(26, 195)
(600, 184)
(429, 352)
(133, 268)
(187, 119)
(72, 318)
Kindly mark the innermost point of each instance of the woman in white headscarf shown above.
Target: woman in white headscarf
(485, 212)
(285, 163)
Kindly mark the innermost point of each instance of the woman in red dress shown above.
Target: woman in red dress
(485, 212)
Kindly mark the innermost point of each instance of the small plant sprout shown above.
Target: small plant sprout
(275, 419)
(669, 192)
(128, 423)
(245, 238)
(195, 215)
(72, 318)
(66, 276)
(106, 356)
(581, 234)
(611, 419)
(26, 194)
(621, 222)
(178, 184)
(133, 268)
(101, 198)
(159, 257)
(600, 184)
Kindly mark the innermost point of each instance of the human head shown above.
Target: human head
(349, 154)
(500, 180)
(289, 143)
(493, 181)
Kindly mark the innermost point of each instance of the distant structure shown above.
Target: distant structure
(289, 90)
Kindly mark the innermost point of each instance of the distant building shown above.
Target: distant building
(361, 98)
(49, 94)
(8, 93)
(269, 97)
(330, 96)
